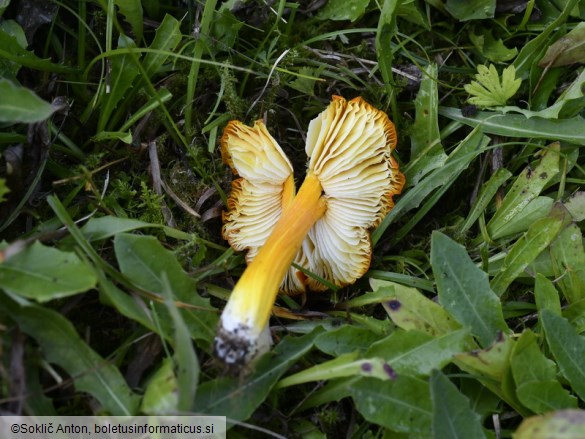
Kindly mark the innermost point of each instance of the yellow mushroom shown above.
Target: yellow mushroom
(348, 189)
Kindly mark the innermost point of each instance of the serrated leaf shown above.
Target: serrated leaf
(402, 405)
(567, 347)
(452, 415)
(488, 91)
(492, 49)
(464, 289)
(132, 11)
(426, 151)
(44, 273)
(167, 37)
(535, 376)
(19, 104)
(62, 345)
(520, 126)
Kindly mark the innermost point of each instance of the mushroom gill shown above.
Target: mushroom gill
(324, 228)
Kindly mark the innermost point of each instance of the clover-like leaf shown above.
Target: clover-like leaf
(488, 90)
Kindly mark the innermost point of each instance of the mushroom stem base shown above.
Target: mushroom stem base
(247, 312)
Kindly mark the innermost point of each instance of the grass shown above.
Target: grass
(113, 274)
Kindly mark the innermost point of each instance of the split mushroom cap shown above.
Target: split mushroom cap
(350, 182)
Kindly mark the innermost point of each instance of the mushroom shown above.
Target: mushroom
(324, 228)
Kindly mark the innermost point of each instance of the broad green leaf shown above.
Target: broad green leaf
(562, 424)
(492, 49)
(519, 126)
(464, 289)
(538, 237)
(410, 310)
(345, 339)
(441, 178)
(488, 90)
(471, 9)
(568, 261)
(526, 188)
(426, 151)
(62, 345)
(19, 104)
(44, 273)
(161, 394)
(416, 353)
(237, 398)
(343, 10)
(535, 376)
(130, 307)
(104, 227)
(144, 261)
(166, 39)
(452, 415)
(537, 208)
(346, 365)
(575, 313)
(185, 359)
(546, 296)
(132, 11)
(567, 347)
(576, 205)
(124, 71)
(569, 49)
(491, 362)
(488, 191)
(402, 405)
